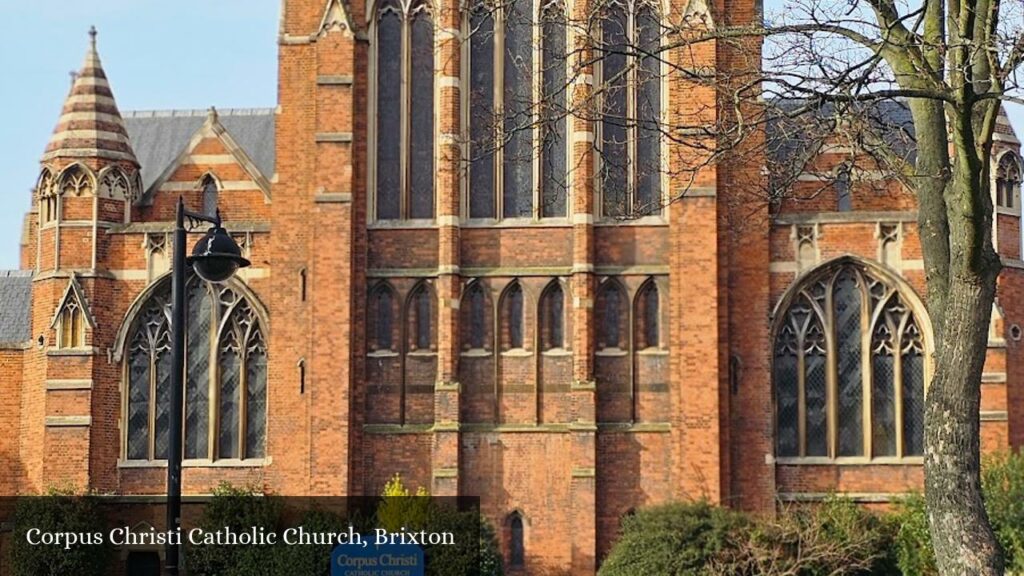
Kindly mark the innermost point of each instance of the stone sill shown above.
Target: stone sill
(850, 461)
(197, 463)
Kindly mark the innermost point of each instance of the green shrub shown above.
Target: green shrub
(834, 538)
(1002, 480)
(241, 510)
(59, 511)
(912, 543)
(677, 539)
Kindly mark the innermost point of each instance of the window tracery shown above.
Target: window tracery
(225, 376)
(849, 368)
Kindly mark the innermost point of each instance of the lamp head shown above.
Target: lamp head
(216, 257)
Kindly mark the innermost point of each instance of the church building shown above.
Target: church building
(564, 325)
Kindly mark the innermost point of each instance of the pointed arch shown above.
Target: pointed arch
(851, 350)
(381, 325)
(114, 183)
(421, 329)
(477, 314)
(48, 194)
(225, 375)
(210, 186)
(1008, 180)
(612, 315)
(72, 316)
(512, 316)
(552, 314)
(516, 525)
(76, 179)
(647, 324)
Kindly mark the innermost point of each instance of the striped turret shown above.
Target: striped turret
(90, 124)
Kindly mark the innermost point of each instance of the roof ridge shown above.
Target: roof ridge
(198, 113)
(16, 273)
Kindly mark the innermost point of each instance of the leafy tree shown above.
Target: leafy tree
(59, 510)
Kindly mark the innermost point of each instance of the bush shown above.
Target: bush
(1002, 480)
(240, 509)
(58, 511)
(834, 538)
(672, 540)
(912, 543)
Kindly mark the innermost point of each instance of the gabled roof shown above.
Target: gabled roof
(74, 293)
(160, 136)
(15, 304)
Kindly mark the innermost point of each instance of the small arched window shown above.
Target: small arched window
(381, 315)
(477, 316)
(1008, 178)
(648, 316)
(512, 316)
(629, 49)
(404, 43)
(553, 316)
(849, 368)
(420, 313)
(210, 196)
(71, 332)
(516, 541)
(610, 316)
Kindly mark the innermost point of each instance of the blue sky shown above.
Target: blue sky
(157, 54)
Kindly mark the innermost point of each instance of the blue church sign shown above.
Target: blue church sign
(377, 560)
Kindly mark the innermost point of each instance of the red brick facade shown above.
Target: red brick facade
(569, 436)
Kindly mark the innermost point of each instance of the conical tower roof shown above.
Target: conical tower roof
(90, 124)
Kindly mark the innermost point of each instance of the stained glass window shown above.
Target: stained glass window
(837, 392)
(222, 326)
(405, 111)
(631, 125)
(555, 124)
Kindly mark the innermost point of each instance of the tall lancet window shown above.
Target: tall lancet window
(507, 124)
(210, 195)
(849, 368)
(225, 376)
(405, 110)
(554, 124)
(630, 140)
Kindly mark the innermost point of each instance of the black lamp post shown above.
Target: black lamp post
(215, 258)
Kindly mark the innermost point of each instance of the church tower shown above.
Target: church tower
(88, 180)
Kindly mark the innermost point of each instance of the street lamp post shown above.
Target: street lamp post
(215, 258)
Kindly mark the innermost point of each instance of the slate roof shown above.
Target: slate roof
(15, 304)
(788, 137)
(160, 136)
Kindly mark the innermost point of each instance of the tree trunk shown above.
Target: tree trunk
(961, 535)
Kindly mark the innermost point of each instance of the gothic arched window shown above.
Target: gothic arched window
(405, 110)
(477, 316)
(421, 333)
(225, 368)
(381, 314)
(849, 367)
(512, 318)
(552, 310)
(516, 541)
(648, 317)
(630, 46)
(504, 112)
(1008, 177)
(209, 196)
(611, 316)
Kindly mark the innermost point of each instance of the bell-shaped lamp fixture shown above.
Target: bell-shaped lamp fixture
(216, 257)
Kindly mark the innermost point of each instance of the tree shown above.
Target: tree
(778, 92)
